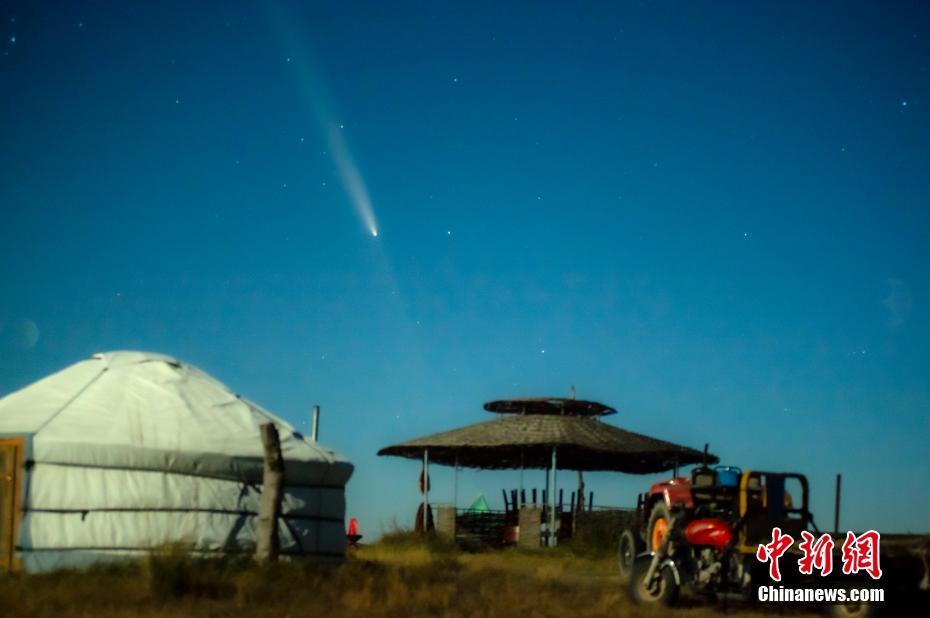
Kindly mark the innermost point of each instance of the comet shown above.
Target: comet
(311, 86)
(351, 178)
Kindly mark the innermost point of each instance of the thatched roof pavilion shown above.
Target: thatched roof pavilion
(530, 428)
(546, 432)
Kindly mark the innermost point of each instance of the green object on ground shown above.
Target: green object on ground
(480, 505)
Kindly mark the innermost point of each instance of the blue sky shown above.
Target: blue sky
(712, 216)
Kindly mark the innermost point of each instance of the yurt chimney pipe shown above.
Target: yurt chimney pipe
(315, 424)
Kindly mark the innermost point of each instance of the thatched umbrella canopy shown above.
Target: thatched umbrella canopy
(527, 441)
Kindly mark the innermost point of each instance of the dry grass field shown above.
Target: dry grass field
(399, 576)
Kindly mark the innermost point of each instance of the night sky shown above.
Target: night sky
(712, 216)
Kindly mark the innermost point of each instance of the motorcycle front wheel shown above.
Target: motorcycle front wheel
(627, 549)
(662, 590)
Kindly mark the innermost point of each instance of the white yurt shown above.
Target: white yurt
(129, 451)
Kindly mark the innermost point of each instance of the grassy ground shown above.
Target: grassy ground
(399, 576)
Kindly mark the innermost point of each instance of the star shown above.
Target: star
(455, 80)
(903, 103)
(342, 126)
(542, 351)
(448, 232)
(13, 40)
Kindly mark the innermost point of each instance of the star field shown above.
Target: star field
(711, 217)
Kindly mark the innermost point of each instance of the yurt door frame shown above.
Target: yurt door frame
(11, 467)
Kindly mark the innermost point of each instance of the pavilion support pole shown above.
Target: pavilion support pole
(267, 544)
(425, 490)
(552, 502)
(455, 484)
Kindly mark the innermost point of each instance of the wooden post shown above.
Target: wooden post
(836, 505)
(315, 424)
(580, 502)
(267, 545)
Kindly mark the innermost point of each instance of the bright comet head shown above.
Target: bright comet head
(352, 180)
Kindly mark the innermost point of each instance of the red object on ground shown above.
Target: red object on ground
(352, 536)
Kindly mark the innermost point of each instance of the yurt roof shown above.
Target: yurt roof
(139, 410)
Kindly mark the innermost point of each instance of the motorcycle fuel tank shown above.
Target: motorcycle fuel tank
(708, 532)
